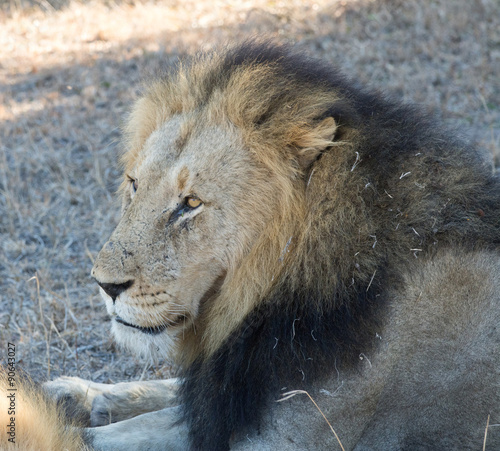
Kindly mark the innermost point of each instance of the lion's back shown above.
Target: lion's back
(429, 382)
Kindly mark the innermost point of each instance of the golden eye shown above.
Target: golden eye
(193, 202)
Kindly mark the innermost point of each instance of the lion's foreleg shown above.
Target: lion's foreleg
(129, 399)
(99, 404)
(152, 431)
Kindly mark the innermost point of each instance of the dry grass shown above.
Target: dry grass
(67, 77)
(293, 393)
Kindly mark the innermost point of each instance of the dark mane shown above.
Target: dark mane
(282, 343)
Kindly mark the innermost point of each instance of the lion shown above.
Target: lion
(286, 232)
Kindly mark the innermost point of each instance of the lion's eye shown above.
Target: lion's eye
(193, 202)
(135, 184)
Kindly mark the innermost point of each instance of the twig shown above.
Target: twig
(371, 280)
(92, 346)
(47, 340)
(356, 162)
(310, 177)
(87, 251)
(291, 394)
(486, 432)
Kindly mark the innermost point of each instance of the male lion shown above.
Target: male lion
(284, 229)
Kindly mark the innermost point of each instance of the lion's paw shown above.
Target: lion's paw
(102, 411)
(75, 396)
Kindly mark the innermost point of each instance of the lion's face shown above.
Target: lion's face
(185, 227)
(217, 176)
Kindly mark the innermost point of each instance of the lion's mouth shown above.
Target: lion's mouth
(155, 330)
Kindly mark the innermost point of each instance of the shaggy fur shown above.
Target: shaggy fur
(37, 422)
(325, 209)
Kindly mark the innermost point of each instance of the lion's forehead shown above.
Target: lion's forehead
(159, 149)
(183, 151)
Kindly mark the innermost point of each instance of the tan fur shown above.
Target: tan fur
(182, 178)
(39, 425)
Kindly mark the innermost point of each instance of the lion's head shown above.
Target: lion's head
(216, 169)
(254, 172)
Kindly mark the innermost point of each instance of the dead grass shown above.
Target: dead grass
(293, 393)
(67, 77)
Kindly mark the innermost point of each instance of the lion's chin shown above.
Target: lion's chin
(153, 344)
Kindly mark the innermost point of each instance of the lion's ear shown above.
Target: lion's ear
(314, 141)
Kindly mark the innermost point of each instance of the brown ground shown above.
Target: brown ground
(67, 77)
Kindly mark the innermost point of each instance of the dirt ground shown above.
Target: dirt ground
(68, 74)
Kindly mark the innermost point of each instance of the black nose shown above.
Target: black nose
(113, 290)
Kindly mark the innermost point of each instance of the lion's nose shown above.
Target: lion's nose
(113, 290)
